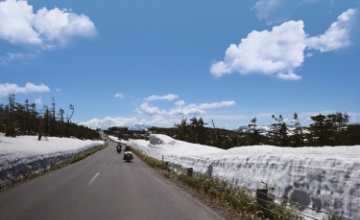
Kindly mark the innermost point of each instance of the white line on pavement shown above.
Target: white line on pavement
(94, 178)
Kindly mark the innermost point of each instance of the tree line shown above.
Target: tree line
(325, 130)
(26, 119)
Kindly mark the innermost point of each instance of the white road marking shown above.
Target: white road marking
(104, 165)
(94, 178)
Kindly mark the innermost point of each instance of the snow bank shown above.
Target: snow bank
(24, 155)
(317, 177)
(113, 138)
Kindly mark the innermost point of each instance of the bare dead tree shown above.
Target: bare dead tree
(215, 131)
(72, 108)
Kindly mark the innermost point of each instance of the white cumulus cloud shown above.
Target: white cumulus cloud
(168, 97)
(337, 36)
(180, 108)
(7, 88)
(268, 52)
(180, 103)
(198, 109)
(119, 95)
(150, 110)
(280, 52)
(44, 29)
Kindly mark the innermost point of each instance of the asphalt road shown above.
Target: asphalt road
(102, 186)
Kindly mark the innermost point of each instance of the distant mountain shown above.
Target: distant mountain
(138, 127)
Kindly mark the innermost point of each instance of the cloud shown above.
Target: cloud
(280, 52)
(58, 90)
(198, 109)
(38, 101)
(226, 117)
(180, 106)
(16, 56)
(337, 36)
(275, 11)
(168, 97)
(187, 111)
(7, 88)
(120, 121)
(180, 103)
(216, 104)
(150, 110)
(45, 29)
(108, 122)
(119, 95)
(289, 76)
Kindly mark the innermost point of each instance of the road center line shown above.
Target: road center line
(94, 178)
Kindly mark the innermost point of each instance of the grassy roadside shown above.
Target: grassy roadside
(52, 168)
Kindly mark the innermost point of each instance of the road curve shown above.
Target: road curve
(102, 186)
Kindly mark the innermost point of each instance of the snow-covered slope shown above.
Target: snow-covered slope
(24, 155)
(317, 177)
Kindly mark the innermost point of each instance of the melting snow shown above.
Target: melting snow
(317, 177)
(24, 155)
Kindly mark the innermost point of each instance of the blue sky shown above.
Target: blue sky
(154, 62)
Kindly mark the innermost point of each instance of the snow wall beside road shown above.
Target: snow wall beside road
(317, 177)
(25, 155)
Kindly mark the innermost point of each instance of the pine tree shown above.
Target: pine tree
(320, 130)
(280, 136)
(197, 130)
(182, 130)
(297, 139)
(254, 136)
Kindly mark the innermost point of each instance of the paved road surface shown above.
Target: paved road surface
(102, 186)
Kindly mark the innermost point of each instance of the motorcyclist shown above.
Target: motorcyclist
(127, 148)
(118, 147)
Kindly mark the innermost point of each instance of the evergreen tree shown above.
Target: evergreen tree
(351, 135)
(2, 127)
(297, 139)
(254, 136)
(10, 128)
(197, 130)
(337, 123)
(320, 131)
(279, 137)
(182, 130)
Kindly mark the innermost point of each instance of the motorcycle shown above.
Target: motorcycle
(128, 155)
(118, 148)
